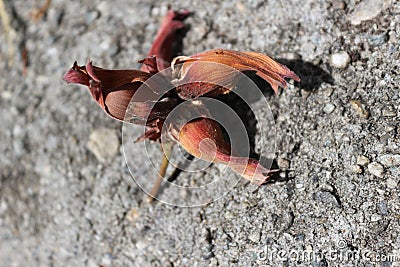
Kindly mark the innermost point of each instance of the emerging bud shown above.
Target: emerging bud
(167, 38)
(203, 138)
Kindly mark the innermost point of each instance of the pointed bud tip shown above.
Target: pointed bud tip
(293, 76)
(76, 75)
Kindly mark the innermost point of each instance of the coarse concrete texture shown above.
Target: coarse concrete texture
(334, 203)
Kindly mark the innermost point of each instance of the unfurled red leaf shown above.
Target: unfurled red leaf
(192, 69)
(198, 78)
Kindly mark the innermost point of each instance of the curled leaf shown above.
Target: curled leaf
(113, 90)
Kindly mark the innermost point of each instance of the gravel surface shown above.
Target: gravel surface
(67, 197)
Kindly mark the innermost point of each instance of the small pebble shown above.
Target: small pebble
(375, 217)
(392, 37)
(376, 169)
(367, 10)
(388, 113)
(132, 215)
(359, 108)
(327, 198)
(91, 16)
(299, 186)
(6, 95)
(229, 215)
(104, 144)
(384, 139)
(329, 108)
(290, 56)
(356, 169)
(283, 163)
(338, 4)
(305, 93)
(362, 160)
(340, 60)
(391, 183)
(390, 160)
(378, 39)
(255, 236)
(395, 171)
(107, 259)
(383, 207)
(327, 92)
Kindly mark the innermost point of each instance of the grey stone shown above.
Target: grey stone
(362, 160)
(375, 217)
(104, 144)
(383, 207)
(390, 160)
(376, 169)
(367, 10)
(255, 236)
(327, 198)
(378, 39)
(91, 16)
(283, 163)
(395, 171)
(359, 108)
(392, 183)
(329, 108)
(388, 113)
(337, 4)
(356, 169)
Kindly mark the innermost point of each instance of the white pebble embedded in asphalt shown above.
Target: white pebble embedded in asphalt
(340, 60)
(390, 160)
(362, 160)
(376, 169)
(329, 108)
